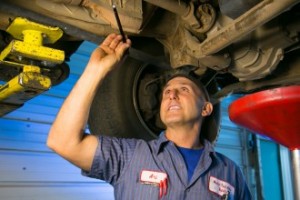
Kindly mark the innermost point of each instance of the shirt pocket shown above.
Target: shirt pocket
(146, 191)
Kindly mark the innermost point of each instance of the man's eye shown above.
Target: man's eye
(185, 89)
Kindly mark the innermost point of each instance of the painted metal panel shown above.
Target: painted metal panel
(33, 166)
(64, 191)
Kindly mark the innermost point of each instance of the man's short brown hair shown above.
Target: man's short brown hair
(187, 72)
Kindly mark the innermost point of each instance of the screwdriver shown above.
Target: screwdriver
(119, 23)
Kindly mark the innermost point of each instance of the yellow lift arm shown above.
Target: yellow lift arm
(27, 46)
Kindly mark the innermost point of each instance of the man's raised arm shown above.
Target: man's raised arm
(66, 136)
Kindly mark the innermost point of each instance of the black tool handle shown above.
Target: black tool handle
(119, 23)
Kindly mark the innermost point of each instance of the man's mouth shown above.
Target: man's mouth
(174, 107)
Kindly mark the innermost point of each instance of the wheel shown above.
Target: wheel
(126, 104)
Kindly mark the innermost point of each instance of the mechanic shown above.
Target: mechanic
(176, 165)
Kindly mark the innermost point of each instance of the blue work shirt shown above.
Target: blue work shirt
(125, 163)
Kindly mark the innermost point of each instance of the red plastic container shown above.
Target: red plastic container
(274, 113)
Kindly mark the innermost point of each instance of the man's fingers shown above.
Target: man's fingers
(111, 41)
(122, 47)
(115, 42)
(113, 45)
(107, 41)
(107, 49)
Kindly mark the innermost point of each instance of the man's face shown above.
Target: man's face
(182, 102)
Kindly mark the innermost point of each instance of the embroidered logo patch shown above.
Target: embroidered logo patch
(220, 187)
(159, 179)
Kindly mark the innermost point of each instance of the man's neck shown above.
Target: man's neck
(183, 136)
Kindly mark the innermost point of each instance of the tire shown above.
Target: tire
(116, 110)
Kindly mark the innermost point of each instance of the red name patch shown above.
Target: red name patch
(159, 179)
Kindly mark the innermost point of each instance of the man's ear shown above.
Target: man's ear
(207, 109)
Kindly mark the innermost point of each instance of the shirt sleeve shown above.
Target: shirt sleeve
(111, 158)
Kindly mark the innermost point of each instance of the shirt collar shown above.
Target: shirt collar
(162, 141)
(210, 148)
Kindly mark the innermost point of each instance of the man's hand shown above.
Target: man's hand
(109, 52)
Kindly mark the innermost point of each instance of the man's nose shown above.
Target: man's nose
(173, 94)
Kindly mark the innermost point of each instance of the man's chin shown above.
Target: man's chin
(173, 121)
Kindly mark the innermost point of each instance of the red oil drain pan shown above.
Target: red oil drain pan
(274, 113)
